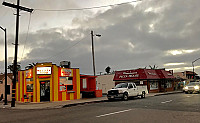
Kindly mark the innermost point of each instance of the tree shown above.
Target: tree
(11, 67)
(154, 67)
(108, 70)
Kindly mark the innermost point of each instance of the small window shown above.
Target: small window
(69, 87)
(29, 85)
(84, 84)
(130, 86)
(29, 88)
(66, 83)
(62, 88)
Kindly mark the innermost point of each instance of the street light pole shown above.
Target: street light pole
(5, 100)
(193, 66)
(93, 59)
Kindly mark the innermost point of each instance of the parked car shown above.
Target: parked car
(126, 90)
(192, 87)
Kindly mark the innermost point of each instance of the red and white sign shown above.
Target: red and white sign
(43, 70)
(66, 72)
(29, 73)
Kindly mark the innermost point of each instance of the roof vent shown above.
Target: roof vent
(65, 64)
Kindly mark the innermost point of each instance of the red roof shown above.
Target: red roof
(142, 74)
(165, 74)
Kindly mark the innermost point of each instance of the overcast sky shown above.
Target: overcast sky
(164, 33)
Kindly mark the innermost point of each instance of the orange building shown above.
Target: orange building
(48, 82)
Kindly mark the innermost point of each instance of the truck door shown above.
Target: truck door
(132, 90)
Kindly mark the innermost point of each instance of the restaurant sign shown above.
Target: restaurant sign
(66, 72)
(43, 70)
(128, 75)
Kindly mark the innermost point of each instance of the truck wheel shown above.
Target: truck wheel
(110, 99)
(143, 94)
(125, 97)
(186, 92)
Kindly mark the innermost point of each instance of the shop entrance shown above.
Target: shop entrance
(45, 90)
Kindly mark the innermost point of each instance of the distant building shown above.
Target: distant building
(156, 80)
(9, 86)
(183, 78)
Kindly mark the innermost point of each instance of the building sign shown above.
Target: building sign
(43, 70)
(129, 75)
(66, 72)
(29, 73)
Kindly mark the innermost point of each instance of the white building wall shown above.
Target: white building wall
(105, 82)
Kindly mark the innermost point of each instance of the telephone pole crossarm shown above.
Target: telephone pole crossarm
(15, 6)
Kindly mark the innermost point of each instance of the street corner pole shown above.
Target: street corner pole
(93, 59)
(5, 99)
(5, 103)
(15, 58)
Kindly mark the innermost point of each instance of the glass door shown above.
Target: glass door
(44, 90)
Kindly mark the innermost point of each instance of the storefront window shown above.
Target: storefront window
(29, 85)
(66, 83)
(62, 88)
(84, 83)
(169, 84)
(153, 85)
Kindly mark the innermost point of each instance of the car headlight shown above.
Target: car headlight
(120, 91)
(196, 87)
(186, 87)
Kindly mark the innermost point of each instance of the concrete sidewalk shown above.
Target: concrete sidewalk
(61, 104)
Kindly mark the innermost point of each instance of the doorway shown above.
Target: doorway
(45, 90)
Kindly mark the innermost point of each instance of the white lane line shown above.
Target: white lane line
(114, 113)
(167, 101)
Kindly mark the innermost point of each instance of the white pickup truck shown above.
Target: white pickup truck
(126, 90)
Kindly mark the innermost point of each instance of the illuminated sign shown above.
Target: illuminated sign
(29, 74)
(66, 72)
(43, 70)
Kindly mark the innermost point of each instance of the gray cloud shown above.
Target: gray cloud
(131, 37)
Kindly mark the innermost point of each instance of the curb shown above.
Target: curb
(168, 93)
(83, 103)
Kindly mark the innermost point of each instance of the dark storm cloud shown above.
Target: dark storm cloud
(132, 37)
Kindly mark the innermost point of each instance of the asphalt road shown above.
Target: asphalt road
(173, 108)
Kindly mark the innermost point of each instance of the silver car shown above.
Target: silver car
(192, 87)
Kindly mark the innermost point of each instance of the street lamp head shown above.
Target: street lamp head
(98, 35)
(2, 28)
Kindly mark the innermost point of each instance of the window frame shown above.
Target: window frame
(65, 84)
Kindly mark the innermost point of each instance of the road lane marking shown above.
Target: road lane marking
(114, 113)
(167, 101)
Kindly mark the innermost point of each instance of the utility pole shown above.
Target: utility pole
(18, 7)
(193, 68)
(93, 59)
(5, 100)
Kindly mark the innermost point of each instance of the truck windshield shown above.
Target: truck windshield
(122, 85)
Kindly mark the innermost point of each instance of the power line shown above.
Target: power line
(68, 48)
(88, 8)
(26, 36)
(59, 53)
